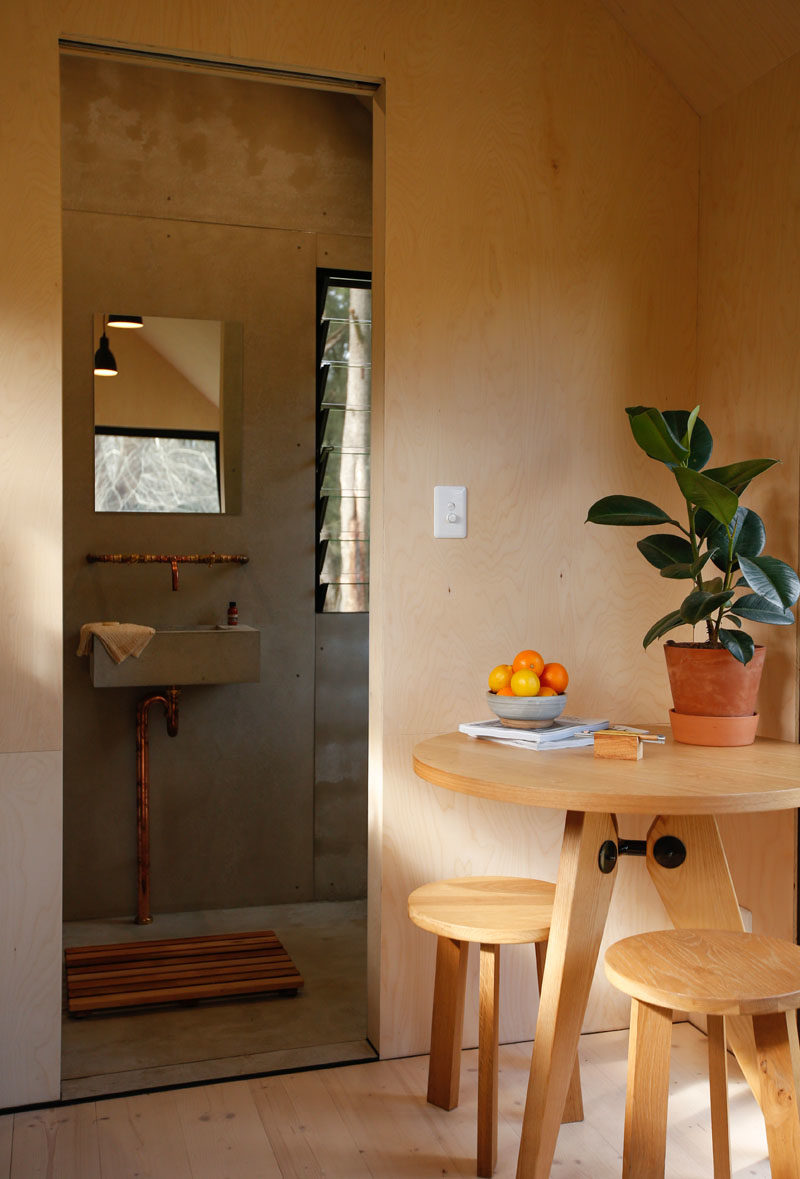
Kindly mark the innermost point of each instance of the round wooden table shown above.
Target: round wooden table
(685, 786)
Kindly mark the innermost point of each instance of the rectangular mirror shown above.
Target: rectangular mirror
(167, 423)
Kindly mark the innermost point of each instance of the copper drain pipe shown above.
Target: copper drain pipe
(169, 698)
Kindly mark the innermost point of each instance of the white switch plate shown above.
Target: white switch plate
(450, 512)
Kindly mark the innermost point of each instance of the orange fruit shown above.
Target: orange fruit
(554, 675)
(506, 691)
(531, 659)
(525, 682)
(499, 676)
(547, 692)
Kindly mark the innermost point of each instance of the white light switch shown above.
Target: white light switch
(450, 512)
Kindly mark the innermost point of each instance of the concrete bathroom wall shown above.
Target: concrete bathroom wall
(214, 198)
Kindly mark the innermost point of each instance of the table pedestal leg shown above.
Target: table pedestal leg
(699, 894)
(583, 894)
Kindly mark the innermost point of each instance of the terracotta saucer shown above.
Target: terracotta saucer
(713, 730)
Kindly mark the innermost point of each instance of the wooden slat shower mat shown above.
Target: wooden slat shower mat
(136, 974)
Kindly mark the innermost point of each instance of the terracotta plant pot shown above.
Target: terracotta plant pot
(707, 682)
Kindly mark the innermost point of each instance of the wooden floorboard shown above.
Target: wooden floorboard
(371, 1121)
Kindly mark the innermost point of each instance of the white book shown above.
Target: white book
(574, 742)
(565, 731)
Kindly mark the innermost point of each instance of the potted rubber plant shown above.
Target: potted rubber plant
(717, 552)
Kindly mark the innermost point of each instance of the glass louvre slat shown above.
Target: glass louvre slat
(340, 347)
(337, 304)
(348, 384)
(345, 428)
(340, 477)
(346, 599)
(346, 562)
(346, 518)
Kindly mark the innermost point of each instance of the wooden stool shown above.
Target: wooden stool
(718, 973)
(493, 911)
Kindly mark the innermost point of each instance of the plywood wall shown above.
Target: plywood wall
(30, 569)
(749, 376)
(539, 231)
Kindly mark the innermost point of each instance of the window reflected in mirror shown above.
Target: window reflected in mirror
(167, 424)
(142, 470)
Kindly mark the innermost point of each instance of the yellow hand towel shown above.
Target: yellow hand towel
(120, 639)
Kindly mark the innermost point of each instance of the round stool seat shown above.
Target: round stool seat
(716, 972)
(495, 910)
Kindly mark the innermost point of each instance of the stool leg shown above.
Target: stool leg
(447, 1022)
(718, 1086)
(778, 1094)
(488, 1038)
(794, 1046)
(573, 1106)
(699, 894)
(645, 1146)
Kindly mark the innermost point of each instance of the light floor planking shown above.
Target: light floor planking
(370, 1120)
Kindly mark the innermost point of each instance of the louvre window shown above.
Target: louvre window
(344, 343)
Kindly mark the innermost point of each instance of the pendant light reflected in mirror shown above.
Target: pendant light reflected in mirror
(125, 321)
(104, 363)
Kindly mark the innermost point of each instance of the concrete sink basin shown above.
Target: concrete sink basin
(179, 655)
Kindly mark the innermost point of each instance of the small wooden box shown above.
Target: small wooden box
(621, 746)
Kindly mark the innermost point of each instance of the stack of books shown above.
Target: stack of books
(567, 732)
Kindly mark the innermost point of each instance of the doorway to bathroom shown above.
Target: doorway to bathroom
(197, 192)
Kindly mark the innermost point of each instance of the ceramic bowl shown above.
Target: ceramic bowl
(526, 712)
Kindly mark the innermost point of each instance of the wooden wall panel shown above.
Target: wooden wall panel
(540, 274)
(749, 374)
(713, 50)
(30, 444)
(510, 356)
(30, 566)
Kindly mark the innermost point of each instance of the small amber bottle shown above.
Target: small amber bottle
(233, 614)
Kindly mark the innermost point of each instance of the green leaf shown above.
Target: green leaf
(774, 579)
(687, 438)
(701, 561)
(713, 585)
(739, 643)
(707, 493)
(654, 435)
(703, 523)
(756, 608)
(626, 510)
(749, 538)
(694, 434)
(737, 476)
(663, 549)
(678, 572)
(667, 623)
(700, 605)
